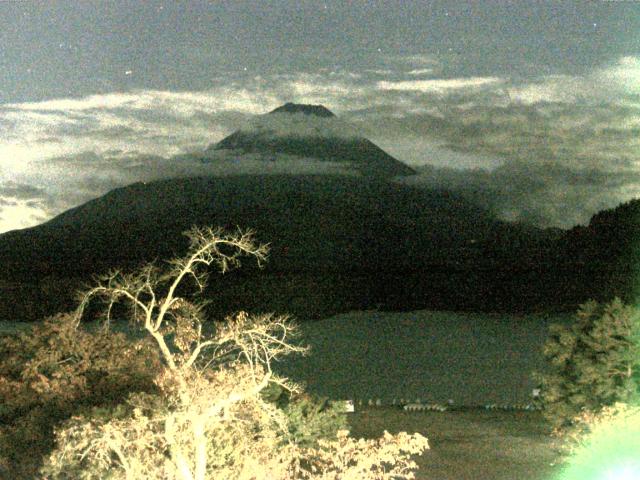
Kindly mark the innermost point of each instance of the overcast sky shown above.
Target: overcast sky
(534, 107)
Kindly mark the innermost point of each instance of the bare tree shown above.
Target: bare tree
(210, 422)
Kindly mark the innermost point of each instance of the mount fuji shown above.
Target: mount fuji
(309, 132)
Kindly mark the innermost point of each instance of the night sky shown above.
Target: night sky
(534, 104)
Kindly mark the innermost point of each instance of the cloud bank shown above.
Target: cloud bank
(552, 150)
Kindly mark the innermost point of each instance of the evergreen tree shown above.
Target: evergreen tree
(593, 363)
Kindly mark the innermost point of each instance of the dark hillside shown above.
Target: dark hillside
(605, 255)
(313, 223)
(336, 242)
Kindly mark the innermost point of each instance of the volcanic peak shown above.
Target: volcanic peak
(317, 110)
(307, 132)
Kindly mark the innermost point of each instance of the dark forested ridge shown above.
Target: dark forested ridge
(605, 255)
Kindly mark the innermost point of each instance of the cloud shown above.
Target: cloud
(564, 146)
(546, 195)
(227, 163)
(417, 150)
(553, 149)
(437, 85)
(19, 191)
(420, 71)
(21, 214)
(21, 205)
(417, 60)
(380, 71)
(611, 83)
(414, 65)
(175, 103)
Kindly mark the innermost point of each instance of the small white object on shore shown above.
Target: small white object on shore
(349, 407)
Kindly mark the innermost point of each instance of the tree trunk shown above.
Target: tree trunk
(200, 444)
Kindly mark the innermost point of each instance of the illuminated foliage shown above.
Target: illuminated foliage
(55, 370)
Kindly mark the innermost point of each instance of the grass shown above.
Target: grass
(472, 444)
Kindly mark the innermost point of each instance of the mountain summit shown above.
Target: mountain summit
(317, 110)
(307, 133)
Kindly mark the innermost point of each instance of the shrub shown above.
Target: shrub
(207, 418)
(384, 458)
(311, 418)
(593, 363)
(55, 370)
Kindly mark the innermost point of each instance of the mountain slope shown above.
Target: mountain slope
(313, 223)
(604, 256)
(308, 132)
(337, 244)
